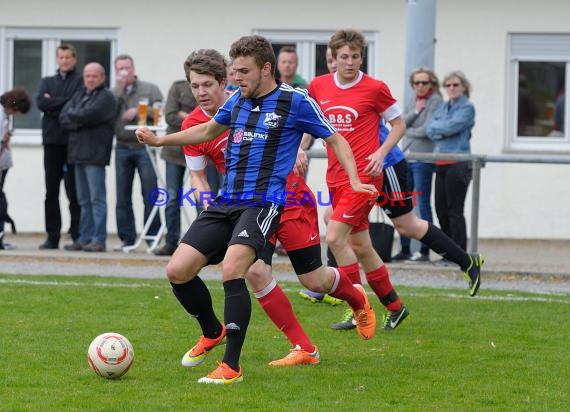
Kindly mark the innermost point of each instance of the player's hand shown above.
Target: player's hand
(145, 136)
(302, 163)
(375, 164)
(360, 187)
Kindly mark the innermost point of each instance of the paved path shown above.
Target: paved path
(533, 266)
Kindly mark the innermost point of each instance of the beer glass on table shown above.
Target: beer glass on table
(143, 111)
(156, 113)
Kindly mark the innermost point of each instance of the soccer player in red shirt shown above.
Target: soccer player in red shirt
(354, 103)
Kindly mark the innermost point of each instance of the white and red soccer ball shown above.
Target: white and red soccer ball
(110, 355)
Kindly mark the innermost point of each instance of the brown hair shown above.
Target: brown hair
(288, 49)
(17, 99)
(67, 46)
(431, 75)
(354, 39)
(206, 61)
(124, 57)
(257, 47)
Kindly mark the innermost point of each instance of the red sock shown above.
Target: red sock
(379, 282)
(346, 291)
(278, 308)
(352, 271)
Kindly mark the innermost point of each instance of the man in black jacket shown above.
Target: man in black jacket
(89, 117)
(52, 95)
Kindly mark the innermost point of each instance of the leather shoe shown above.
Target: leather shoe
(94, 247)
(75, 246)
(49, 244)
(165, 250)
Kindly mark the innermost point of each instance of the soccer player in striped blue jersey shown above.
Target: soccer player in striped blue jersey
(266, 121)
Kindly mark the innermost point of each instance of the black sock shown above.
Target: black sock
(237, 313)
(405, 250)
(442, 244)
(195, 297)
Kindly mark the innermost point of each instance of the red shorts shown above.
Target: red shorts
(299, 224)
(298, 230)
(353, 208)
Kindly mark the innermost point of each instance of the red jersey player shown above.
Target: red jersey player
(354, 103)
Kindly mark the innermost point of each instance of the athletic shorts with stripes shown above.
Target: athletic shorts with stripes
(221, 226)
(396, 199)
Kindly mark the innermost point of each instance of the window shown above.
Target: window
(311, 48)
(30, 55)
(27, 71)
(539, 65)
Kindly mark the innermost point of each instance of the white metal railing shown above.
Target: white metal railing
(478, 161)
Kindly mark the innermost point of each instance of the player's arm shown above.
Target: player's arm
(301, 163)
(202, 190)
(200, 183)
(306, 141)
(196, 134)
(345, 157)
(376, 159)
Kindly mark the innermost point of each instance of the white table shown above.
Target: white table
(153, 153)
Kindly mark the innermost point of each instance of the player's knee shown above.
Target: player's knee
(258, 276)
(334, 241)
(361, 250)
(403, 229)
(318, 280)
(176, 273)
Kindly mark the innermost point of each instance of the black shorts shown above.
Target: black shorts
(396, 198)
(221, 226)
(303, 260)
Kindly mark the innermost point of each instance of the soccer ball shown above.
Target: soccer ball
(110, 355)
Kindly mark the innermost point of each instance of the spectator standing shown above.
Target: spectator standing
(14, 101)
(53, 93)
(450, 129)
(287, 62)
(130, 155)
(420, 174)
(179, 103)
(89, 117)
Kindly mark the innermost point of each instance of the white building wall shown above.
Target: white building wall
(471, 36)
(517, 200)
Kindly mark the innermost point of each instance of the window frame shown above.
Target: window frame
(305, 42)
(534, 47)
(51, 38)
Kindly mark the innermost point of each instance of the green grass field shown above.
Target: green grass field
(499, 351)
